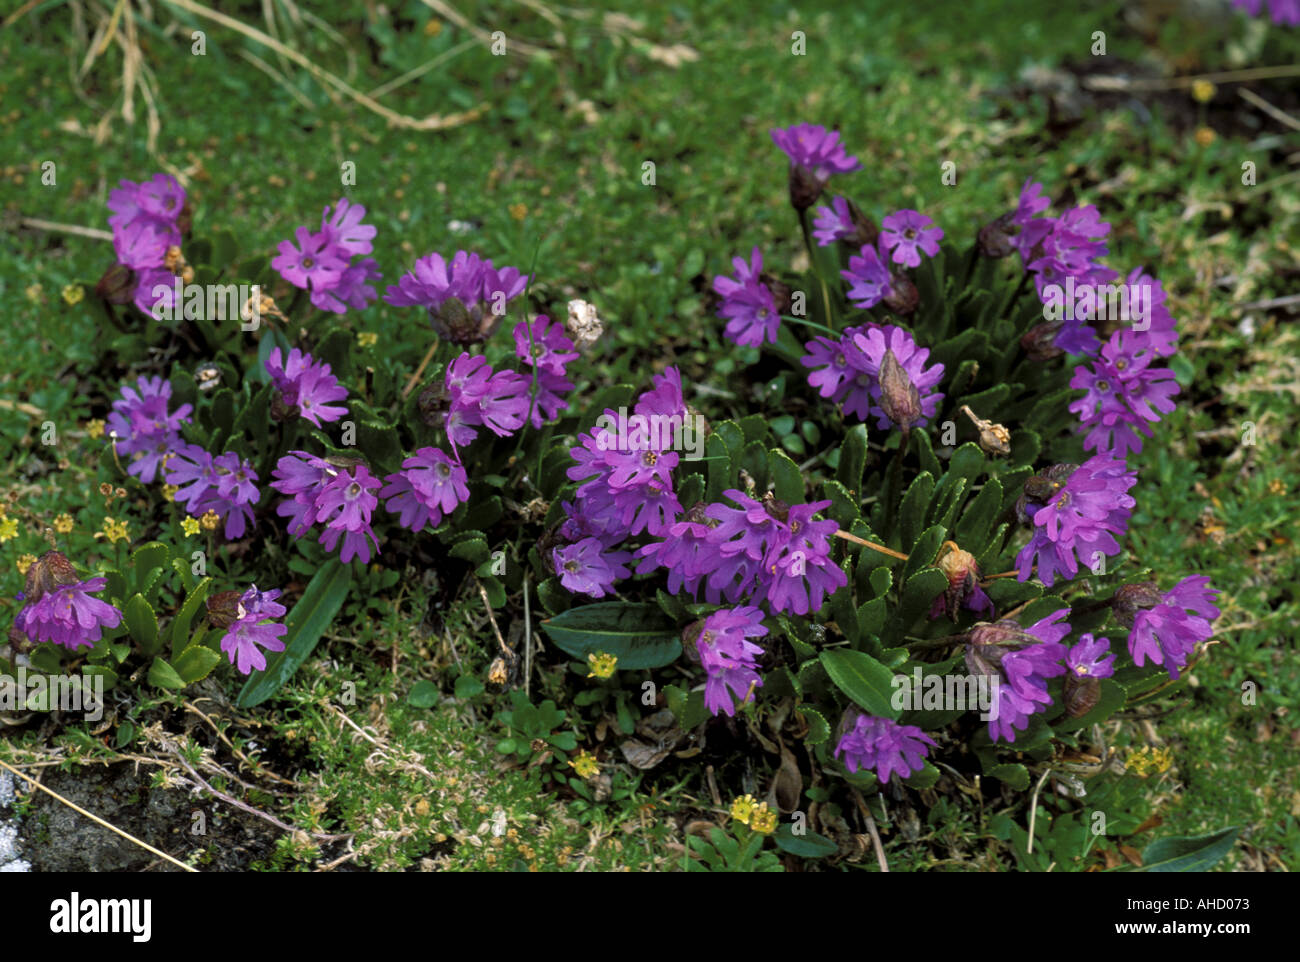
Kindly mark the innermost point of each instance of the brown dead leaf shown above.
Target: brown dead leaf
(641, 755)
(1130, 853)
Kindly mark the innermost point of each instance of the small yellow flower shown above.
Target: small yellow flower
(585, 764)
(8, 529)
(210, 520)
(94, 428)
(169, 492)
(189, 526)
(742, 808)
(602, 664)
(367, 338)
(64, 524)
(763, 819)
(1205, 136)
(518, 211)
(25, 561)
(1277, 486)
(1203, 91)
(115, 531)
(1147, 760)
(433, 28)
(73, 293)
(34, 293)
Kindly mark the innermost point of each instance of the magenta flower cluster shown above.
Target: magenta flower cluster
(884, 746)
(330, 262)
(729, 659)
(846, 371)
(253, 629)
(146, 221)
(225, 484)
(143, 428)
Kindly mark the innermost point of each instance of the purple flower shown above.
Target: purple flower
(589, 568)
(1031, 204)
(550, 348)
(1280, 11)
(314, 264)
(875, 343)
(343, 497)
(159, 202)
(834, 223)
(67, 615)
(748, 305)
(497, 400)
(306, 386)
(465, 299)
(1091, 658)
(728, 658)
(141, 426)
(1019, 662)
(141, 244)
(1159, 331)
(907, 234)
(1123, 394)
(885, 746)
(1075, 511)
(816, 154)
(1167, 633)
(868, 277)
(429, 486)
(253, 629)
(222, 484)
(322, 261)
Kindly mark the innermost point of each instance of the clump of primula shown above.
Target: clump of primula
(249, 626)
(749, 305)
(323, 263)
(883, 746)
(587, 567)
(59, 607)
(816, 154)
(148, 221)
(224, 485)
(729, 658)
(479, 396)
(465, 298)
(143, 429)
(876, 370)
(1167, 628)
(1077, 510)
(305, 388)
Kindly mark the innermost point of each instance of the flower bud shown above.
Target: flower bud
(805, 187)
(994, 438)
(1129, 599)
(433, 404)
(963, 579)
(49, 572)
(1080, 694)
(118, 284)
(775, 507)
(1039, 341)
(780, 292)
(282, 409)
(453, 321)
(995, 237)
(867, 231)
(1041, 488)
(690, 640)
(903, 295)
(225, 608)
(899, 398)
(988, 643)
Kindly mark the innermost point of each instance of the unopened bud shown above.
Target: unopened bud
(903, 297)
(805, 187)
(49, 572)
(433, 404)
(1041, 488)
(899, 398)
(867, 231)
(994, 438)
(1129, 599)
(225, 608)
(995, 237)
(118, 284)
(1080, 693)
(1039, 341)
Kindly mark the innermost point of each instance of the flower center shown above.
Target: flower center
(308, 262)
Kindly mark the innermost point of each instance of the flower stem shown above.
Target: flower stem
(868, 544)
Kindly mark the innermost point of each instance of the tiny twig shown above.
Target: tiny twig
(528, 640)
(419, 371)
(96, 819)
(868, 544)
(871, 828)
(492, 618)
(1256, 100)
(49, 225)
(1033, 809)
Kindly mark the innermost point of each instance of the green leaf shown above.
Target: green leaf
(919, 593)
(423, 694)
(163, 675)
(862, 678)
(306, 622)
(1014, 775)
(911, 515)
(853, 459)
(1182, 853)
(807, 845)
(787, 480)
(142, 623)
(145, 559)
(818, 728)
(179, 633)
(639, 635)
(687, 706)
(719, 467)
(973, 530)
(469, 686)
(925, 778)
(196, 663)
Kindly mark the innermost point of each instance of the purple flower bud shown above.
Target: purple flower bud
(1129, 599)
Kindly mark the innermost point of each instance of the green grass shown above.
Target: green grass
(566, 138)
